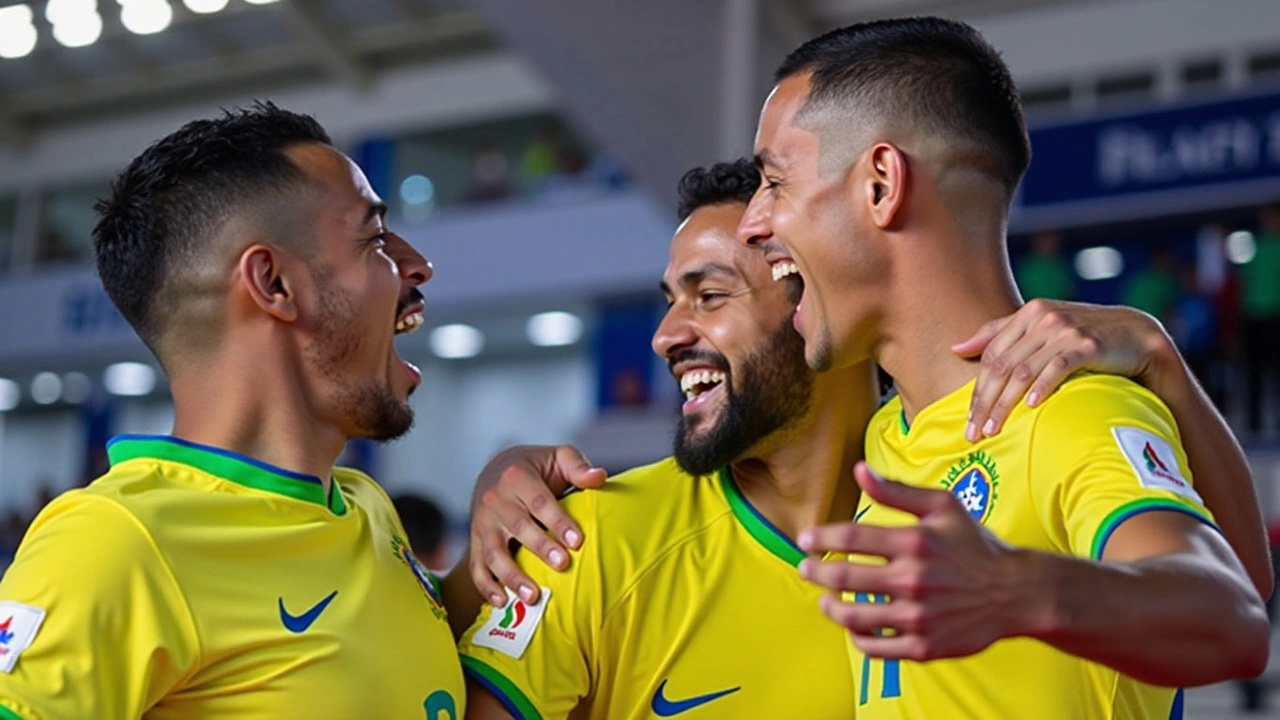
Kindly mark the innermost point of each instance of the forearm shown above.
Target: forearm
(460, 598)
(1175, 620)
(1218, 465)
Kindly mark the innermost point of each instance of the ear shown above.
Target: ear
(886, 186)
(262, 272)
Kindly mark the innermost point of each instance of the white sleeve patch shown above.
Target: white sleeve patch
(1153, 461)
(510, 629)
(18, 627)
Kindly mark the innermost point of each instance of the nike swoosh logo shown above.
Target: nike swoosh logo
(663, 707)
(300, 623)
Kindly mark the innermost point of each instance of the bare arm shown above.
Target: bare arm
(482, 705)
(1037, 348)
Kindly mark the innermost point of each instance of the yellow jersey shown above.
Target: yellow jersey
(683, 600)
(1059, 478)
(190, 583)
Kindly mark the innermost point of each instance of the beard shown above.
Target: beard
(781, 391)
(371, 409)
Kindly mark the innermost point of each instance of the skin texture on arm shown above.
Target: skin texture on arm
(482, 705)
(1034, 350)
(1177, 609)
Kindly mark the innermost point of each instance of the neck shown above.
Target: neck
(255, 404)
(806, 478)
(962, 296)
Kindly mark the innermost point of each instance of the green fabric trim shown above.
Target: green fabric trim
(902, 421)
(7, 714)
(228, 466)
(1136, 507)
(502, 688)
(756, 525)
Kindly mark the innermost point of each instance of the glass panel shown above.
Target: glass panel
(66, 224)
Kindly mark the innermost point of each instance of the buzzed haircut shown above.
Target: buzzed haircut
(166, 208)
(936, 75)
(723, 182)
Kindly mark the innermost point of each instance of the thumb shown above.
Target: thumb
(978, 342)
(917, 501)
(576, 470)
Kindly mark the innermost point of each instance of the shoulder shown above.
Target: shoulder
(1090, 405)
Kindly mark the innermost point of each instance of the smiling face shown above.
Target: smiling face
(815, 219)
(728, 340)
(362, 291)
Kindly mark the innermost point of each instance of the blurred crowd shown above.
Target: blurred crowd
(1218, 295)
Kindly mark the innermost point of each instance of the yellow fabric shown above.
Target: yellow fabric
(166, 587)
(672, 590)
(1055, 478)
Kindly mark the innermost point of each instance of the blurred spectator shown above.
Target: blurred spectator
(426, 526)
(541, 158)
(490, 180)
(1193, 324)
(1154, 288)
(1260, 286)
(1044, 273)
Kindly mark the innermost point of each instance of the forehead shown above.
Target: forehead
(777, 134)
(709, 236)
(340, 180)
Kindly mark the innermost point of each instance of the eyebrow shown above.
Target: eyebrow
(764, 157)
(375, 210)
(693, 277)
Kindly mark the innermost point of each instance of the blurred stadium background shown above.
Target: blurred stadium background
(530, 149)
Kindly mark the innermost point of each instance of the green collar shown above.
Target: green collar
(229, 466)
(759, 528)
(902, 421)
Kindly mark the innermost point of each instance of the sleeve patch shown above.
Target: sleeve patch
(509, 630)
(18, 627)
(1153, 461)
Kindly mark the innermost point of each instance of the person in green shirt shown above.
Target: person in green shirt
(1154, 288)
(1044, 273)
(1260, 303)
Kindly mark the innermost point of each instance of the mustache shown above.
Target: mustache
(715, 360)
(413, 296)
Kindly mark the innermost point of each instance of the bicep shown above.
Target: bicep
(482, 705)
(1164, 532)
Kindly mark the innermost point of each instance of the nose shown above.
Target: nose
(414, 268)
(754, 227)
(674, 333)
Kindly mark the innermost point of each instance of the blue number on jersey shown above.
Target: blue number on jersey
(891, 685)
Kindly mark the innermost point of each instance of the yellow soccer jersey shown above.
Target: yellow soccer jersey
(682, 601)
(1058, 478)
(193, 583)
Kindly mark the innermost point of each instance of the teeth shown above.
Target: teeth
(691, 380)
(409, 323)
(783, 269)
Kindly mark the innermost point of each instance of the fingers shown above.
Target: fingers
(1002, 363)
(503, 566)
(915, 500)
(481, 578)
(855, 577)
(577, 470)
(875, 618)
(518, 509)
(977, 342)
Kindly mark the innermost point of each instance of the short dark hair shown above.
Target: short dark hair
(940, 75)
(423, 522)
(165, 207)
(723, 182)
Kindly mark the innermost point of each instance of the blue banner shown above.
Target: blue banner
(1205, 147)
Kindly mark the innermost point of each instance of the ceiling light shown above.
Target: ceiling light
(17, 31)
(260, 2)
(417, 190)
(1099, 263)
(205, 7)
(550, 329)
(1241, 247)
(145, 17)
(10, 394)
(76, 23)
(456, 341)
(46, 388)
(76, 387)
(129, 378)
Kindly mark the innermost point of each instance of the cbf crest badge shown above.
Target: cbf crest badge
(975, 483)
(429, 585)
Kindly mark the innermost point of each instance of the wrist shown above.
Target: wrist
(1163, 363)
(1034, 608)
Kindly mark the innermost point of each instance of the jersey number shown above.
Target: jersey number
(440, 706)
(890, 672)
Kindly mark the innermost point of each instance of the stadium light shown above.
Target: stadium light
(1099, 263)
(552, 329)
(457, 341)
(46, 388)
(76, 387)
(205, 7)
(10, 394)
(76, 23)
(1241, 247)
(129, 379)
(17, 31)
(145, 17)
(260, 2)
